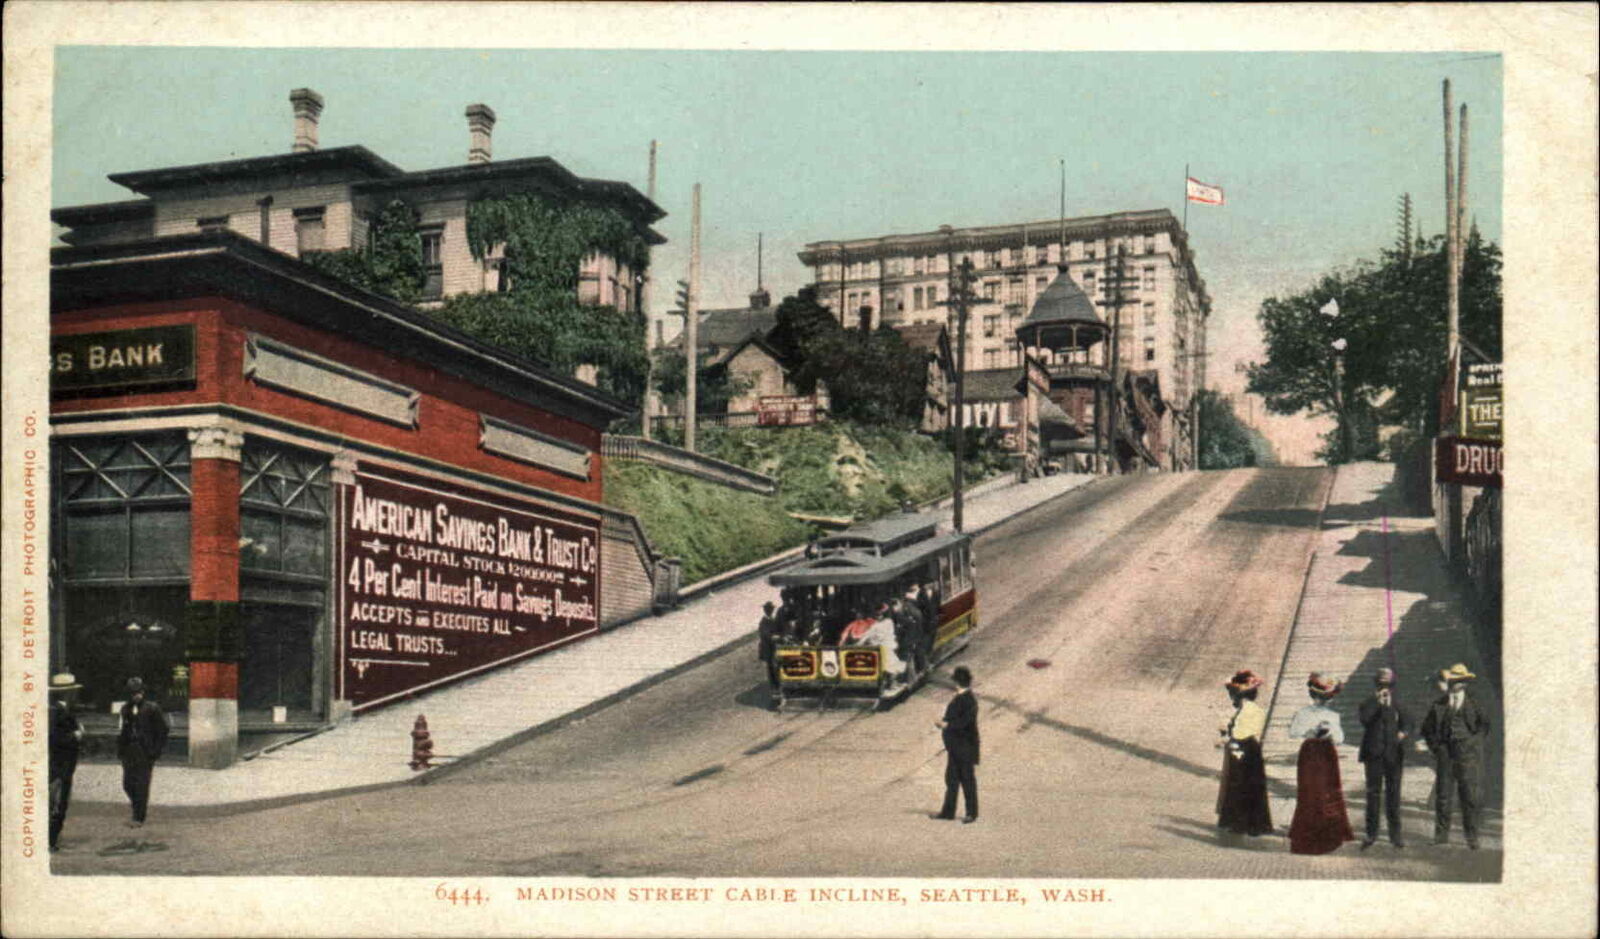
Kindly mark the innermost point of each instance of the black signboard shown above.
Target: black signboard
(435, 585)
(122, 359)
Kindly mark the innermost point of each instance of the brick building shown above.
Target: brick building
(281, 499)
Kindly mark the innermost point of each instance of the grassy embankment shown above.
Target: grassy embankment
(836, 469)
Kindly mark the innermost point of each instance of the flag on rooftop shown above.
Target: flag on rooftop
(1203, 192)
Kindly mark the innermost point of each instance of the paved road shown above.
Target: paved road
(1143, 595)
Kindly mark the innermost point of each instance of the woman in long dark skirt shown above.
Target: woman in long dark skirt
(1321, 823)
(1242, 804)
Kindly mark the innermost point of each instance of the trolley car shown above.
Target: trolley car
(871, 610)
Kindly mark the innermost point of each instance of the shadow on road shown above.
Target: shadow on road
(1037, 718)
(1281, 518)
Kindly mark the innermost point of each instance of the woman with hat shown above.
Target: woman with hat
(1321, 823)
(1242, 803)
(65, 736)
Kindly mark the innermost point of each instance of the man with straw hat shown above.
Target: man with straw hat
(1454, 730)
(65, 736)
(1385, 727)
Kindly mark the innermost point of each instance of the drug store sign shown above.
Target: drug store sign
(436, 585)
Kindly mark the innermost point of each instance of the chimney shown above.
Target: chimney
(480, 125)
(307, 109)
(760, 299)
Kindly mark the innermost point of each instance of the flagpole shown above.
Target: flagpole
(1185, 201)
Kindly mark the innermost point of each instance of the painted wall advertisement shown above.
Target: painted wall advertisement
(435, 585)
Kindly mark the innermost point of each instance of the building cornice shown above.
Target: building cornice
(227, 264)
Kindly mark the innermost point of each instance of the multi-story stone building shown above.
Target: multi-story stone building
(1136, 267)
(311, 200)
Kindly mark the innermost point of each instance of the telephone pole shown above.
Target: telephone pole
(650, 349)
(961, 299)
(691, 326)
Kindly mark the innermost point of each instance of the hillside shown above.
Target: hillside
(836, 469)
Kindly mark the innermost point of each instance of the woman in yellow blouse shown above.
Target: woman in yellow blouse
(1242, 802)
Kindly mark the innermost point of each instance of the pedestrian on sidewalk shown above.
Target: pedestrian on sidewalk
(960, 731)
(1385, 727)
(1242, 802)
(141, 738)
(1321, 823)
(1455, 730)
(66, 735)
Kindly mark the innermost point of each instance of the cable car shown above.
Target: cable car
(871, 610)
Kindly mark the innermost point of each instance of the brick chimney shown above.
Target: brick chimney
(480, 126)
(307, 109)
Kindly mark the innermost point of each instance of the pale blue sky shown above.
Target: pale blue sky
(1313, 149)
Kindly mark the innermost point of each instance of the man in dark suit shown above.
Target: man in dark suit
(140, 741)
(1454, 730)
(1385, 728)
(960, 730)
(66, 737)
(767, 642)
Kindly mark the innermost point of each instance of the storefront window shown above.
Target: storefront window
(122, 564)
(285, 500)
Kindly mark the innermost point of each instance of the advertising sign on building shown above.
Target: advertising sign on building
(786, 410)
(1467, 462)
(435, 585)
(121, 359)
(1482, 403)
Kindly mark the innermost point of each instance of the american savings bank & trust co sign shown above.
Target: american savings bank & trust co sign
(436, 585)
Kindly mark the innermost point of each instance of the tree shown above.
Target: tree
(1225, 441)
(715, 385)
(801, 323)
(1391, 318)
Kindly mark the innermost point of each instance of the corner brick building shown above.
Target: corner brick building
(281, 499)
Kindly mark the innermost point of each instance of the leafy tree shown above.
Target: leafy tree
(715, 385)
(1225, 441)
(801, 323)
(872, 377)
(1391, 319)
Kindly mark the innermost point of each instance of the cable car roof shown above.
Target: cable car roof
(859, 568)
(883, 536)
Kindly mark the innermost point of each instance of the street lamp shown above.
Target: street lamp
(1339, 345)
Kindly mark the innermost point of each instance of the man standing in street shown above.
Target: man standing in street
(1386, 726)
(960, 731)
(140, 741)
(767, 642)
(65, 736)
(1454, 730)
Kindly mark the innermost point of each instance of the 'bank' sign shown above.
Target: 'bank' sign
(124, 358)
(1468, 462)
(435, 585)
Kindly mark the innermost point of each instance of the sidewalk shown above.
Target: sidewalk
(1378, 594)
(480, 716)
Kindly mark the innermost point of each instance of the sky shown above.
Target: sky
(1313, 150)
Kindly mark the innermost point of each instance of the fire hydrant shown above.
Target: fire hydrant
(421, 744)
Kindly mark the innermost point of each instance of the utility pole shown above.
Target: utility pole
(650, 347)
(961, 299)
(1452, 288)
(1116, 270)
(691, 326)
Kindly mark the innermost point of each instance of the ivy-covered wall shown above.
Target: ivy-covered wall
(537, 314)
